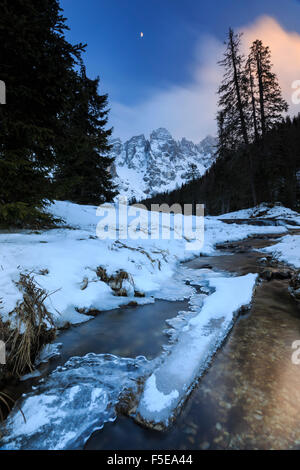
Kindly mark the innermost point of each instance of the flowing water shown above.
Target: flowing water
(249, 397)
(128, 331)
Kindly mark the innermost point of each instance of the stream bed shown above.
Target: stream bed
(249, 398)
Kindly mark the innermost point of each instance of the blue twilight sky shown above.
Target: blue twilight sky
(182, 40)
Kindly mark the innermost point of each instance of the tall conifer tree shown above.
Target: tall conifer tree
(36, 65)
(268, 92)
(83, 163)
(233, 94)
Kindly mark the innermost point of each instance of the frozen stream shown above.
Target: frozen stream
(230, 406)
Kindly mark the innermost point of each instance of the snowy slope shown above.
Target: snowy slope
(286, 250)
(71, 258)
(144, 167)
(265, 211)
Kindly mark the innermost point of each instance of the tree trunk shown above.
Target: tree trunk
(237, 88)
(253, 105)
(261, 95)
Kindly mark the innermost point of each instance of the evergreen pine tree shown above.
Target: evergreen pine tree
(271, 103)
(36, 65)
(192, 173)
(233, 95)
(253, 100)
(83, 164)
(233, 115)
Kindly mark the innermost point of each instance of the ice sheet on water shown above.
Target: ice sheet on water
(74, 401)
(48, 352)
(183, 282)
(197, 339)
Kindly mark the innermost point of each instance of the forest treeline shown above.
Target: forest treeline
(258, 152)
(227, 186)
(53, 134)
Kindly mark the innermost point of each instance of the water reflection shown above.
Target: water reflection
(250, 396)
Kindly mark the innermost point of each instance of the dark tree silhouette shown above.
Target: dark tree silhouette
(82, 173)
(271, 103)
(233, 96)
(36, 66)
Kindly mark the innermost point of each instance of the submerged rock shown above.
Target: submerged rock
(268, 275)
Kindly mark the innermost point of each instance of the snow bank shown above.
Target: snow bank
(64, 261)
(169, 384)
(288, 247)
(286, 250)
(265, 211)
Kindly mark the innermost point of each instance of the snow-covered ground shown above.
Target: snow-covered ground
(265, 211)
(64, 261)
(286, 250)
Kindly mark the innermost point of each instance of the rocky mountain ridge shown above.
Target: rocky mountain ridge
(144, 167)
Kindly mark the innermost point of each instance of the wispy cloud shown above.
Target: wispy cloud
(189, 111)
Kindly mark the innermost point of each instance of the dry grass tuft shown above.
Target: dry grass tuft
(102, 274)
(4, 400)
(116, 281)
(31, 327)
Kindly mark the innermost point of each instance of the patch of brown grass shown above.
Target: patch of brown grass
(31, 327)
(115, 281)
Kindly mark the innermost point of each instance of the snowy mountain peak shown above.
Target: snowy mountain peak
(145, 167)
(160, 134)
(208, 145)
